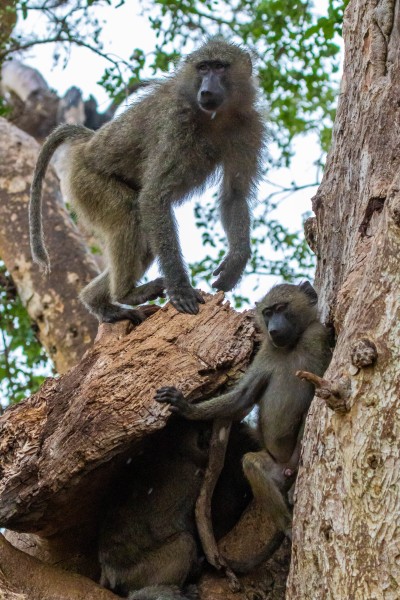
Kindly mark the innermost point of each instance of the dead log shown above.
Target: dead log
(36, 580)
(64, 326)
(55, 444)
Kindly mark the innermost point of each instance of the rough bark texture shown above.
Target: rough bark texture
(64, 326)
(346, 529)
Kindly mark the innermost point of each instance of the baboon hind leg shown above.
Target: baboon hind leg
(130, 256)
(97, 298)
(268, 484)
(169, 564)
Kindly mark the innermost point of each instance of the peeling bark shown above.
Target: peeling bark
(64, 326)
(346, 531)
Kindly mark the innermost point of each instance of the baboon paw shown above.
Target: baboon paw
(229, 272)
(172, 396)
(186, 301)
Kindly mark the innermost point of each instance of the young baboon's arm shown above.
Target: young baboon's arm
(234, 404)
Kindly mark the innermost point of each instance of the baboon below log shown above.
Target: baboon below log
(148, 541)
(125, 178)
(294, 339)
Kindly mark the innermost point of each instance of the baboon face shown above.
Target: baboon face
(286, 312)
(212, 91)
(281, 328)
(218, 76)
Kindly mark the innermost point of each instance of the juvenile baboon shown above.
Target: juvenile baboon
(148, 541)
(125, 178)
(294, 339)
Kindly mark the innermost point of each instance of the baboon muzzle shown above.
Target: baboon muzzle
(211, 92)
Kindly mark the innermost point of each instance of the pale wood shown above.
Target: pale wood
(25, 578)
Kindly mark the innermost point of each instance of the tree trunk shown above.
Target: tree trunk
(65, 328)
(346, 535)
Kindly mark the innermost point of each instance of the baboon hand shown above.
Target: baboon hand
(171, 395)
(185, 299)
(229, 271)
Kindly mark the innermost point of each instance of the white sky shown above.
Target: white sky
(125, 29)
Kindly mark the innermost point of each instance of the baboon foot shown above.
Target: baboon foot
(143, 293)
(114, 313)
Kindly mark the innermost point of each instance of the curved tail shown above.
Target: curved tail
(55, 139)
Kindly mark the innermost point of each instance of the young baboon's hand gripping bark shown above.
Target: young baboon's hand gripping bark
(294, 339)
(125, 179)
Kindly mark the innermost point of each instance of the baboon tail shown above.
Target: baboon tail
(55, 139)
(164, 592)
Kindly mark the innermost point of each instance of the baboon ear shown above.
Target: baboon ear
(309, 291)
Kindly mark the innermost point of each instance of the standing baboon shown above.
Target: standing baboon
(294, 339)
(125, 178)
(148, 540)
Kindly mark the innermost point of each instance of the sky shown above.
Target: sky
(125, 29)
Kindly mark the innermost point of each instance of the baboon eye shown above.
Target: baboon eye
(203, 68)
(219, 67)
(280, 307)
(267, 312)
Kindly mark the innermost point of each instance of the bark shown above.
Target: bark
(346, 523)
(64, 326)
(35, 580)
(55, 442)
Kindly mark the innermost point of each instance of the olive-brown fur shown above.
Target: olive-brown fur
(125, 178)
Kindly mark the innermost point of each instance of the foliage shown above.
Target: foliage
(292, 259)
(298, 53)
(21, 355)
(297, 50)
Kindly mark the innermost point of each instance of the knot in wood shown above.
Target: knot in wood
(395, 207)
(364, 353)
(311, 233)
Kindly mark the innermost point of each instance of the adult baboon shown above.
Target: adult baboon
(125, 178)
